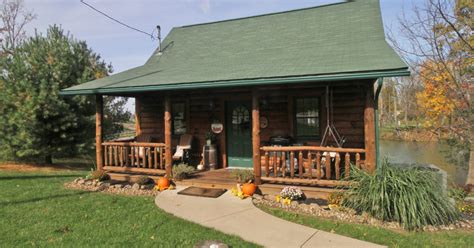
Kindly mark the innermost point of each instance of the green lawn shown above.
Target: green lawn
(35, 210)
(380, 235)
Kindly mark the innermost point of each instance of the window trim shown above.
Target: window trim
(315, 137)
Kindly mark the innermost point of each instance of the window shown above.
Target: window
(178, 113)
(307, 117)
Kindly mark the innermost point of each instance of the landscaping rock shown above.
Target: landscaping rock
(102, 187)
(211, 244)
(294, 204)
(88, 182)
(77, 180)
(268, 197)
(128, 186)
(118, 186)
(81, 181)
(136, 186)
(257, 196)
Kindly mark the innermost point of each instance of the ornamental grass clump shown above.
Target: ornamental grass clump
(410, 196)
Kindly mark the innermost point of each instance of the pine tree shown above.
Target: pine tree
(36, 123)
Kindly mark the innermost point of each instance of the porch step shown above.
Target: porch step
(129, 177)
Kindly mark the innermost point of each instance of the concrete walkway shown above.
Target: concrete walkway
(232, 215)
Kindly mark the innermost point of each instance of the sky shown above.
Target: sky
(125, 48)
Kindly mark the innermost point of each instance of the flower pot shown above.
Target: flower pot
(249, 189)
(163, 183)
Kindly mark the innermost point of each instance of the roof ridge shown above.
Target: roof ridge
(267, 14)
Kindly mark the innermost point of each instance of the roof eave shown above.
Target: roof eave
(239, 83)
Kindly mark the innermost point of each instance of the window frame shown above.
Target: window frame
(295, 118)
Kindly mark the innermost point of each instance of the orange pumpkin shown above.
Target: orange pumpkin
(163, 183)
(249, 189)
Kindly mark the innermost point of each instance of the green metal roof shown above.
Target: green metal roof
(331, 42)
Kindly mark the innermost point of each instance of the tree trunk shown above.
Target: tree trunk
(48, 159)
(470, 174)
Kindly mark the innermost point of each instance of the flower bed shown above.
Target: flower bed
(322, 208)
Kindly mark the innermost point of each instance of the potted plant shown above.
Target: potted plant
(245, 181)
(210, 138)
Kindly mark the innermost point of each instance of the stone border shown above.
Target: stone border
(113, 187)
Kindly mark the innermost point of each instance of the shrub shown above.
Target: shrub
(143, 180)
(242, 175)
(409, 196)
(292, 193)
(98, 175)
(182, 171)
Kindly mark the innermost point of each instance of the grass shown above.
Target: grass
(35, 210)
(379, 235)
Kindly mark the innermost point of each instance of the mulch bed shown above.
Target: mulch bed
(319, 208)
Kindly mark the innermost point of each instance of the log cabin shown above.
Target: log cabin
(290, 95)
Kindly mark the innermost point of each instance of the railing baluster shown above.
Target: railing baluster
(310, 166)
(283, 164)
(144, 156)
(121, 155)
(328, 165)
(318, 165)
(155, 157)
(137, 154)
(275, 164)
(116, 156)
(110, 156)
(347, 165)
(106, 162)
(267, 166)
(357, 160)
(292, 164)
(132, 156)
(161, 157)
(300, 164)
(338, 162)
(150, 157)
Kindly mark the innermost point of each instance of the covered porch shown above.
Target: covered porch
(250, 120)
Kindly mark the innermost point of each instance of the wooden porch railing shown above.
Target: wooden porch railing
(309, 165)
(134, 157)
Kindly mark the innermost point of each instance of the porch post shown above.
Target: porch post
(369, 129)
(99, 111)
(257, 170)
(167, 118)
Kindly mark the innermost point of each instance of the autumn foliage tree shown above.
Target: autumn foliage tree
(438, 45)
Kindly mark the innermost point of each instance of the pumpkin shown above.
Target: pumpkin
(249, 189)
(163, 183)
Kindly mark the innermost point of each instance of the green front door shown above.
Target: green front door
(238, 132)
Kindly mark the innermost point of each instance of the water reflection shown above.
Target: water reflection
(423, 153)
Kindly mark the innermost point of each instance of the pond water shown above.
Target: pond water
(423, 153)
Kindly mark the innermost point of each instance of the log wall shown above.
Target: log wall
(276, 104)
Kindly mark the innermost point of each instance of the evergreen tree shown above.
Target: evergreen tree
(36, 123)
